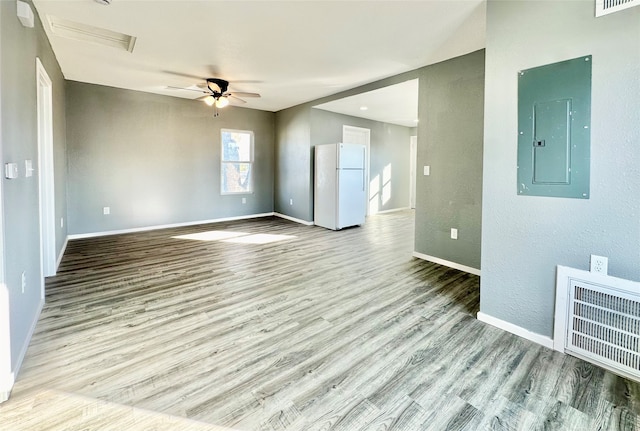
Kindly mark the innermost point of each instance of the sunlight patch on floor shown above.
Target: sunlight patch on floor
(235, 237)
(47, 409)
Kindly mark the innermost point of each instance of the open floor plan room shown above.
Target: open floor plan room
(265, 324)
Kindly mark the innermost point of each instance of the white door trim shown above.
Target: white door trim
(366, 136)
(45, 170)
(413, 158)
(6, 376)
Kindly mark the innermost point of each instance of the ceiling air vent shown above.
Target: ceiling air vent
(604, 7)
(87, 33)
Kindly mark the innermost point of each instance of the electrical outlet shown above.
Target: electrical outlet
(454, 233)
(24, 281)
(106, 210)
(599, 264)
(244, 200)
(61, 222)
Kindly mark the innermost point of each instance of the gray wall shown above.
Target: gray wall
(450, 142)
(450, 131)
(20, 47)
(524, 237)
(389, 146)
(294, 179)
(155, 160)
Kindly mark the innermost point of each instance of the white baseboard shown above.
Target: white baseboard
(32, 329)
(516, 330)
(450, 264)
(7, 381)
(297, 220)
(392, 210)
(61, 254)
(7, 377)
(166, 226)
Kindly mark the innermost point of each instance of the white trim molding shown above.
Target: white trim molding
(61, 254)
(297, 220)
(7, 377)
(32, 329)
(444, 262)
(165, 226)
(393, 210)
(516, 330)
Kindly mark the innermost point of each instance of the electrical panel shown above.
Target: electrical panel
(554, 129)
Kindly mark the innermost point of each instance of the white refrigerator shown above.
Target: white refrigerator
(339, 199)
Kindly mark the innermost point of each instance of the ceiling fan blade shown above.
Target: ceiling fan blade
(187, 89)
(231, 96)
(243, 94)
(183, 75)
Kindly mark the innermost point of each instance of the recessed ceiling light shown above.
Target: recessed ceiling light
(363, 108)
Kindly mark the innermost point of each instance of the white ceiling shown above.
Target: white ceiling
(395, 104)
(291, 52)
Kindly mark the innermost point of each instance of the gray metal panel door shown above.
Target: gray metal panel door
(554, 129)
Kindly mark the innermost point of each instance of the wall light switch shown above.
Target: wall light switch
(290, 201)
(454, 233)
(11, 170)
(244, 200)
(427, 170)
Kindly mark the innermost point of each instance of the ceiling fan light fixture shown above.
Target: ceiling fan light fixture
(222, 102)
(209, 100)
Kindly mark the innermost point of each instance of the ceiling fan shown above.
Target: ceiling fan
(217, 93)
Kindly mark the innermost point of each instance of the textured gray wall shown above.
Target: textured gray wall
(450, 142)
(449, 134)
(389, 146)
(155, 160)
(20, 47)
(524, 238)
(294, 179)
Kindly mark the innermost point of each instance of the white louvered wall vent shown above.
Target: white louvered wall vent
(605, 7)
(598, 320)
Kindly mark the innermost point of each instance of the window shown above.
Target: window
(237, 161)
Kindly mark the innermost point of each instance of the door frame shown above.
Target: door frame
(413, 177)
(366, 134)
(6, 376)
(46, 189)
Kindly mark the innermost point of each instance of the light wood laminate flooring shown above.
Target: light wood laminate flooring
(265, 324)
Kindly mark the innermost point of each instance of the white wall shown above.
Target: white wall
(524, 237)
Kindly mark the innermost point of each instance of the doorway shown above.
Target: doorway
(45, 168)
(6, 376)
(362, 136)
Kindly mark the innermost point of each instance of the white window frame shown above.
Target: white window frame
(250, 162)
